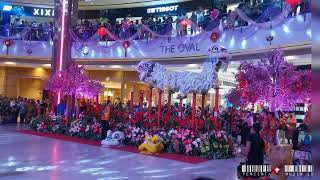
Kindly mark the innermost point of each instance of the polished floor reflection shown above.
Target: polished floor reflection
(30, 157)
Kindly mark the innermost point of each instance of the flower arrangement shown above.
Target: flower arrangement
(214, 144)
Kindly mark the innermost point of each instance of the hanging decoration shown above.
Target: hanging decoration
(102, 31)
(184, 23)
(293, 3)
(125, 45)
(273, 81)
(269, 39)
(85, 50)
(29, 51)
(214, 14)
(7, 42)
(214, 36)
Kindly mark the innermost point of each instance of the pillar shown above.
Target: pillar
(150, 102)
(180, 109)
(131, 101)
(169, 102)
(203, 99)
(193, 116)
(216, 105)
(141, 104)
(159, 107)
(122, 91)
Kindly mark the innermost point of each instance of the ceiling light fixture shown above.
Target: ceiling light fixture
(10, 63)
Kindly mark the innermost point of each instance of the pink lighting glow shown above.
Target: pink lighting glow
(61, 42)
(62, 34)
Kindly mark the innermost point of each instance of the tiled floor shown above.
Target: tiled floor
(28, 157)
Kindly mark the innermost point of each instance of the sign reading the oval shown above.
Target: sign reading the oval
(162, 9)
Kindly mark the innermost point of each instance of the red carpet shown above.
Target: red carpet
(176, 157)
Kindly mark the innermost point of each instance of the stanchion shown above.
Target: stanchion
(193, 117)
(159, 108)
(150, 103)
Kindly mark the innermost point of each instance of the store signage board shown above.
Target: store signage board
(43, 12)
(162, 9)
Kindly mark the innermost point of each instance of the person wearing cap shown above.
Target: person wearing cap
(105, 120)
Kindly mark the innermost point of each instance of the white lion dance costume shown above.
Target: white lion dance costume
(184, 82)
(113, 139)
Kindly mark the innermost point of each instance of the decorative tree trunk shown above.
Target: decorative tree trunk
(77, 108)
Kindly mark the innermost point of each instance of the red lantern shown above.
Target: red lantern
(102, 31)
(293, 3)
(7, 42)
(126, 44)
(184, 23)
(214, 36)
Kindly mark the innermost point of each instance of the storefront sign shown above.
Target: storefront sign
(36, 11)
(162, 9)
(181, 48)
(43, 12)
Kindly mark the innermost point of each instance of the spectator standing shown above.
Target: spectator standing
(23, 109)
(292, 123)
(105, 120)
(200, 17)
(193, 18)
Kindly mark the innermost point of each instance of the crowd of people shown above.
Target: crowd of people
(15, 110)
(125, 28)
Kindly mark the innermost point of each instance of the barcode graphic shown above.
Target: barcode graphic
(298, 168)
(256, 168)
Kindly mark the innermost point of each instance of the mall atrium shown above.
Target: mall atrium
(155, 89)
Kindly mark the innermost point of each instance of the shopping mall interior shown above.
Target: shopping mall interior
(151, 89)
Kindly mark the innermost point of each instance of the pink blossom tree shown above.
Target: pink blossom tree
(273, 81)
